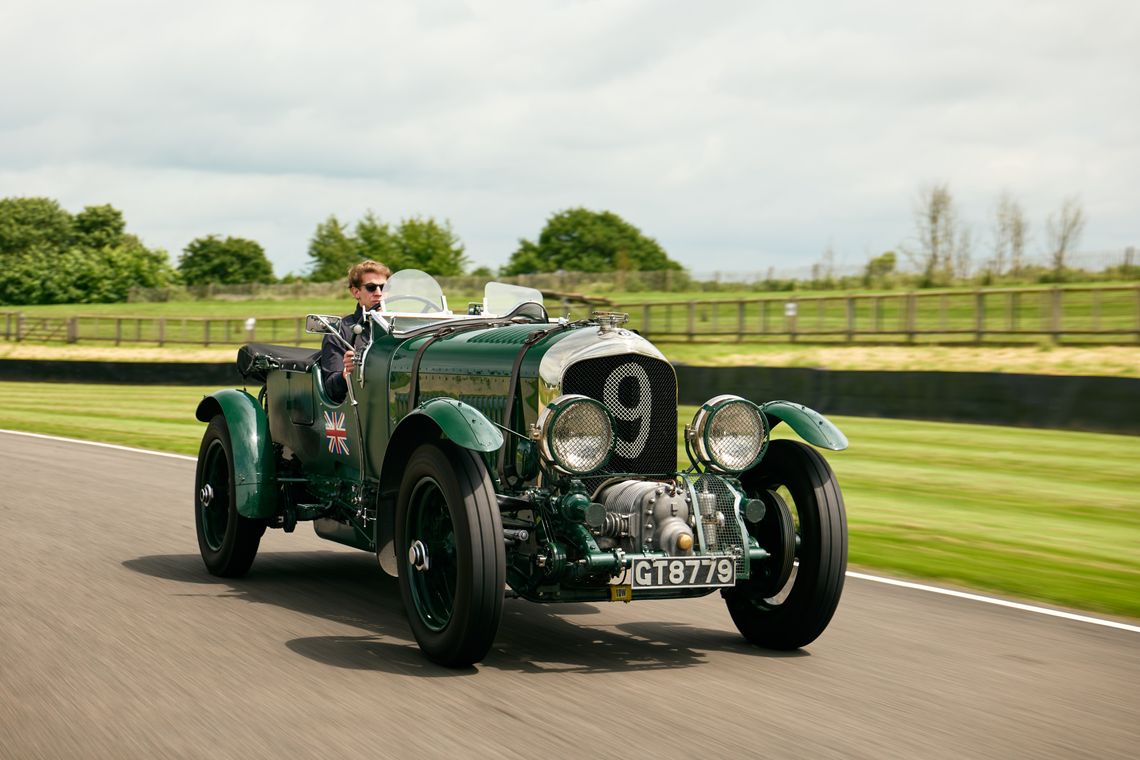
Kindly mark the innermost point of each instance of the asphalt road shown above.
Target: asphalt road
(116, 643)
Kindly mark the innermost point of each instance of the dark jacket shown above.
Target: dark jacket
(332, 354)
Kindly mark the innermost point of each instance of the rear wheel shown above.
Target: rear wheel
(792, 610)
(228, 542)
(450, 554)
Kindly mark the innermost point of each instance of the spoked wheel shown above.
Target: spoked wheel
(227, 540)
(787, 604)
(451, 554)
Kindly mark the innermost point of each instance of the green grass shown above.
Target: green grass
(939, 316)
(1038, 514)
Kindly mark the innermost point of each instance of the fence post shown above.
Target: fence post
(1055, 315)
(1014, 305)
(161, 331)
(300, 329)
(692, 319)
(850, 319)
(979, 316)
(1138, 313)
(792, 318)
(911, 309)
(19, 326)
(206, 332)
(118, 331)
(7, 325)
(878, 314)
(73, 329)
(740, 321)
(645, 320)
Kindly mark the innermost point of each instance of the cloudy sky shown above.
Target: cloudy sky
(742, 135)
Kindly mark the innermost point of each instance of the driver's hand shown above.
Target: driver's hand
(349, 362)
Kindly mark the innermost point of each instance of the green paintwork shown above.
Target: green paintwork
(461, 423)
(252, 448)
(461, 396)
(809, 424)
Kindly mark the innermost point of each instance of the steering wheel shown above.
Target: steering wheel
(429, 305)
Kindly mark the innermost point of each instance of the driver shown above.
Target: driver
(365, 281)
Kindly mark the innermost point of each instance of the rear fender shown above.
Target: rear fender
(254, 470)
(809, 424)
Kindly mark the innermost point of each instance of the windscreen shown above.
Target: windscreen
(499, 298)
(411, 291)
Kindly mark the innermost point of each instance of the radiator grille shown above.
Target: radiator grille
(718, 536)
(641, 393)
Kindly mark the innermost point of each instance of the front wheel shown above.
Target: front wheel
(227, 540)
(450, 554)
(795, 614)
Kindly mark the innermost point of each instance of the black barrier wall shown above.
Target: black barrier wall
(1106, 404)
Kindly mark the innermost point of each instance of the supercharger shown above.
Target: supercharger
(653, 514)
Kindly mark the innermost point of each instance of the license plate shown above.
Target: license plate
(683, 572)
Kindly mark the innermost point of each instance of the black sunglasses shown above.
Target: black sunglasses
(372, 287)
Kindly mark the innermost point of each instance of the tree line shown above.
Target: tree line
(49, 255)
(944, 250)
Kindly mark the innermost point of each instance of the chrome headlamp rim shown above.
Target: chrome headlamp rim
(698, 433)
(547, 425)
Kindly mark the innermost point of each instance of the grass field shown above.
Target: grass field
(1038, 514)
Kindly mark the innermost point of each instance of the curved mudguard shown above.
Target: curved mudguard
(254, 471)
(460, 423)
(809, 424)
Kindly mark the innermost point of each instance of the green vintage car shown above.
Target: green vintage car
(499, 452)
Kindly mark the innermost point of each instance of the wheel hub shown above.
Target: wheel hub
(418, 556)
(206, 495)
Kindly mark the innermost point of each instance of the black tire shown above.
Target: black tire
(227, 540)
(447, 505)
(795, 615)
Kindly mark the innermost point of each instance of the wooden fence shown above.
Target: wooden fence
(1108, 315)
(162, 331)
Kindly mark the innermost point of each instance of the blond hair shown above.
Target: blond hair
(357, 271)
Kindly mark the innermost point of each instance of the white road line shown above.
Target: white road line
(999, 602)
(100, 445)
(850, 573)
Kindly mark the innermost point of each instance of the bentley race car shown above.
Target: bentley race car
(500, 452)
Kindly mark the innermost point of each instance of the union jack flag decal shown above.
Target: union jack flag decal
(335, 432)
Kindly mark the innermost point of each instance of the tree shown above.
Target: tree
(99, 227)
(581, 240)
(232, 261)
(880, 268)
(33, 223)
(943, 244)
(375, 240)
(49, 256)
(332, 251)
(425, 244)
(416, 243)
(1010, 232)
(1064, 230)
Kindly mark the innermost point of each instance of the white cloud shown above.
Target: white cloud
(742, 135)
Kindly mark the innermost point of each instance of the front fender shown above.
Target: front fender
(809, 424)
(461, 423)
(254, 470)
(435, 418)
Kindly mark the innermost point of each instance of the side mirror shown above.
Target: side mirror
(316, 323)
